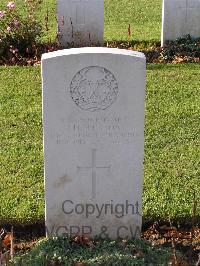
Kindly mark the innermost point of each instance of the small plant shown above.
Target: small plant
(185, 49)
(85, 251)
(19, 33)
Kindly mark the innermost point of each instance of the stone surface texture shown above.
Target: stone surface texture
(93, 120)
(80, 22)
(179, 18)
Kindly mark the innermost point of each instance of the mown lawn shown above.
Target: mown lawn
(172, 155)
(172, 139)
(144, 17)
(21, 186)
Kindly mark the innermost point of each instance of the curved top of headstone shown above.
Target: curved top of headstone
(93, 50)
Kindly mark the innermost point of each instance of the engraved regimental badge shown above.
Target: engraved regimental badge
(94, 88)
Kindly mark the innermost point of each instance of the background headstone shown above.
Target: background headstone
(93, 119)
(80, 22)
(179, 18)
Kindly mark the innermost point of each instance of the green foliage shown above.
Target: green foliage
(19, 31)
(65, 251)
(183, 47)
(45, 6)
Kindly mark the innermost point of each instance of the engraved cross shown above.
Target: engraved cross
(93, 169)
(187, 8)
(80, 11)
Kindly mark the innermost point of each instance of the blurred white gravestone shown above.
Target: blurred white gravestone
(179, 18)
(93, 120)
(80, 22)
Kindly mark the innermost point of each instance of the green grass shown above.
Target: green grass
(21, 188)
(172, 155)
(64, 251)
(144, 16)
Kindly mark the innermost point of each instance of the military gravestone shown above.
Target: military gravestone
(93, 119)
(179, 18)
(80, 22)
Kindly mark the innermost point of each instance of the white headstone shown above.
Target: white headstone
(80, 22)
(179, 18)
(93, 119)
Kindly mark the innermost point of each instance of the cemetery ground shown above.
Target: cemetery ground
(143, 17)
(171, 184)
(128, 24)
(171, 141)
(171, 176)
